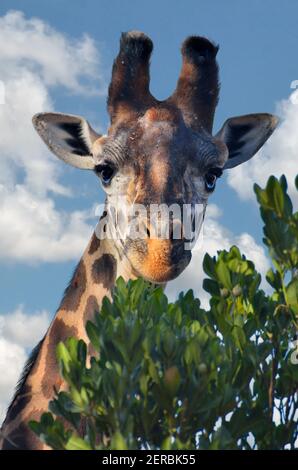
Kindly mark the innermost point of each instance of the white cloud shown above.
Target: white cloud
(58, 60)
(37, 231)
(215, 237)
(278, 156)
(12, 359)
(19, 332)
(33, 58)
(23, 329)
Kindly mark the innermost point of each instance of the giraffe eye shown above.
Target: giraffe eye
(211, 177)
(105, 171)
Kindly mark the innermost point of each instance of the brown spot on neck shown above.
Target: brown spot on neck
(22, 438)
(90, 309)
(76, 289)
(104, 270)
(51, 377)
(94, 245)
(92, 306)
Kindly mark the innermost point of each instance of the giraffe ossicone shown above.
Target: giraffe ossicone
(155, 153)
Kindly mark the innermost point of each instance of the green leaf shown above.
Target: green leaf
(292, 295)
(209, 265)
(211, 286)
(92, 333)
(76, 443)
(118, 442)
(82, 352)
(63, 356)
(278, 198)
(223, 274)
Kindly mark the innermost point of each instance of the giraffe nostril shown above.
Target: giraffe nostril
(148, 232)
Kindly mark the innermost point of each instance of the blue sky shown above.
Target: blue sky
(258, 61)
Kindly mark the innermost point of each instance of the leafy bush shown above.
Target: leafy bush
(174, 375)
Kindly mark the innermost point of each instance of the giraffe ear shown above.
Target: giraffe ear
(245, 135)
(69, 137)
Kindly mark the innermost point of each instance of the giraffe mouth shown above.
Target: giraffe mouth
(159, 271)
(172, 271)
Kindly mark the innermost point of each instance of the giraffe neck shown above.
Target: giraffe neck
(93, 279)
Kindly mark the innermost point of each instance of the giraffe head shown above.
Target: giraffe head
(158, 153)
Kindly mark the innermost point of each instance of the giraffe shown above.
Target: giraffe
(155, 152)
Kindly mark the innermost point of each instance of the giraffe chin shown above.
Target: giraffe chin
(162, 273)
